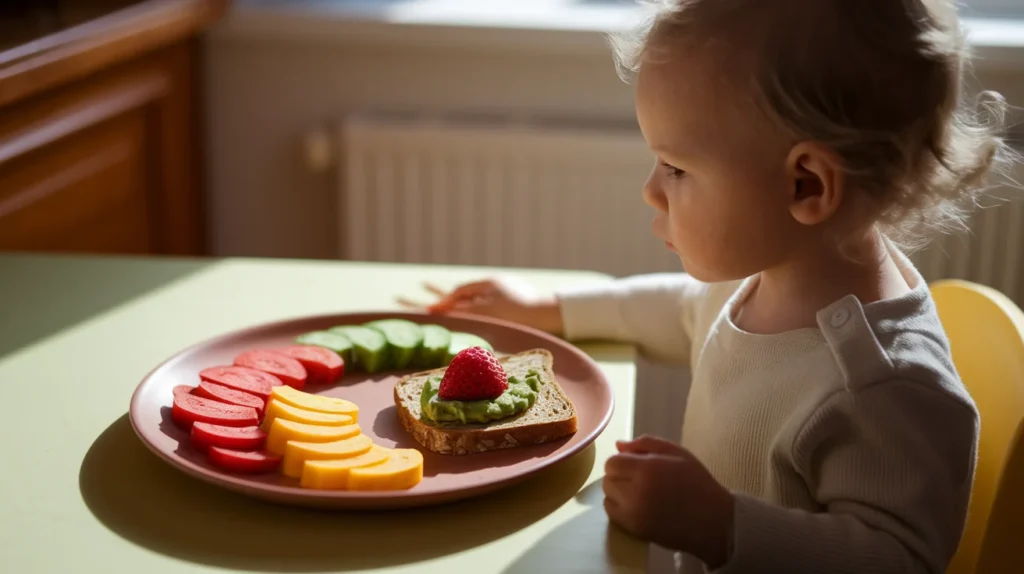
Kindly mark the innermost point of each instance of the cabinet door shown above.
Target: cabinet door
(86, 192)
(105, 165)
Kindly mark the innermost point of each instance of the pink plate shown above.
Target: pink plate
(446, 477)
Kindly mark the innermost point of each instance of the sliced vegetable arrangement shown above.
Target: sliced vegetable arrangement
(393, 344)
(271, 425)
(255, 416)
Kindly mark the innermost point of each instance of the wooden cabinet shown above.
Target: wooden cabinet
(107, 162)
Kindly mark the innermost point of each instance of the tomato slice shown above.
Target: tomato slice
(189, 409)
(322, 365)
(205, 435)
(242, 461)
(223, 394)
(252, 381)
(285, 368)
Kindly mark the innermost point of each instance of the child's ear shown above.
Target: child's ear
(816, 183)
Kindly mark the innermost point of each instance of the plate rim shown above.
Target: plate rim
(364, 499)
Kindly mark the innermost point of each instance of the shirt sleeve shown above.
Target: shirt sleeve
(655, 312)
(892, 466)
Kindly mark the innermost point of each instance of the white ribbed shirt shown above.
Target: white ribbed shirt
(850, 447)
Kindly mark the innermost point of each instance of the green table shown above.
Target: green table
(80, 493)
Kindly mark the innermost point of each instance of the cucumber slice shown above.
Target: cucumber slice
(461, 341)
(334, 341)
(432, 353)
(404, 339)
(370, 348)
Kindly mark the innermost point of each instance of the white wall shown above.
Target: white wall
(264, 94)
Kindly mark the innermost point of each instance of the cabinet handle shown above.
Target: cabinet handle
(320, 152)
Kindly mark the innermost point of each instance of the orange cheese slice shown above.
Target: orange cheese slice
(283, 430)
(402, 470)
(311, 402)
(297, 453)
(333, 474)
(276, 408)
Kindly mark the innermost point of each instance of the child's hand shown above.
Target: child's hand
(658, 491)
(502, 298)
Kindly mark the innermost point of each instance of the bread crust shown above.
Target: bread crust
(503, 434)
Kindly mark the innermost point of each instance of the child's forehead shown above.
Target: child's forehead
(689, 97)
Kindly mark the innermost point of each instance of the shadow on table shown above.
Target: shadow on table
(51, 293)
(144, 500)
(595, 544)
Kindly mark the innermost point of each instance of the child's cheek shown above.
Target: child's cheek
(684, 210)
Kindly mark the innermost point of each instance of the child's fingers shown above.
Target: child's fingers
(650, 445)
(445, 303)
(434, 289)
(474, 289)
(450, 304)
(616, 512)
(404, 302)
(447, 300)
(621, 467)
(615, 489)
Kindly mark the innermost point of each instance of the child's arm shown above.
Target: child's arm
(654, 312)
(892, 465)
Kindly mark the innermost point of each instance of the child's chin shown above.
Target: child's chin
(704, 274)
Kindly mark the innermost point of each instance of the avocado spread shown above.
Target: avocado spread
(519, 396)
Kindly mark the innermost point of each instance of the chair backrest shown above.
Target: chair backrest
(986, 335)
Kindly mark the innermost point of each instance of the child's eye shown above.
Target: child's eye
(673, 172)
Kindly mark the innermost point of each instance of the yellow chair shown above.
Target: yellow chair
(986, 335)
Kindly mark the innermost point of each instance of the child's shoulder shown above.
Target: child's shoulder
(899, 339)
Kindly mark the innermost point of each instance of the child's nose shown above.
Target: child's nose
(653, 195)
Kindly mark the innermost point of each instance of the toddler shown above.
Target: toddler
(802, 147)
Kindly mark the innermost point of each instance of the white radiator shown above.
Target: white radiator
(557, 196)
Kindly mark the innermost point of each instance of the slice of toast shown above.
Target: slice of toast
(552, 416)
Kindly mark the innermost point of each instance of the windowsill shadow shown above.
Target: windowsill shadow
(57, 291)
(147, 502)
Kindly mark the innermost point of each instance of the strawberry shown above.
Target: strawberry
(474, 374)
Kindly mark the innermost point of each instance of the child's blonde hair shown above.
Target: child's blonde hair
(880, 82)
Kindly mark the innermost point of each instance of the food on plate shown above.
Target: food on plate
(282, 431)
(333, 341)
(531, 409)
(316, 403)
(403, 469)
(252, 381)
(333, 474)
(243, 461)
(403, 337)
(322, 365)
(220, 393)
(434, 349)
(462, 341)
(369, 346)
(297, 453)
(253, 416)
(393, 344)
(188, 409)
(205, 435)
(288, 370)
(276, 408)
(473, 375)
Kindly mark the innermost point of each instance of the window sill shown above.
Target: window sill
(543, 26)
